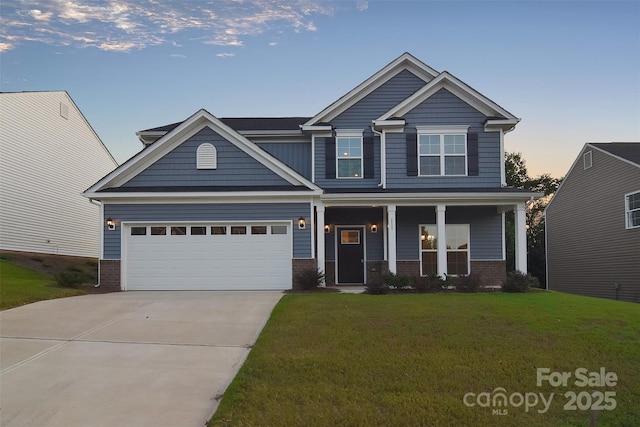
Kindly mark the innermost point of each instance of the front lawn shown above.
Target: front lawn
(341, 359)
(20, 285)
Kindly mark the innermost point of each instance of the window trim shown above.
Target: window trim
(628, 212)
(442, 132)
(352, 134)
(434, 227)
(585, 156)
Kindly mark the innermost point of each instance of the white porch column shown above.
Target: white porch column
(320, 237)
(442, 240)
(391, 229)
(521, 237)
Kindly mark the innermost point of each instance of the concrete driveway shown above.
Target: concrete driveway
(125, 359)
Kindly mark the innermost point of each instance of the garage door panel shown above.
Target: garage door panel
(231, 261)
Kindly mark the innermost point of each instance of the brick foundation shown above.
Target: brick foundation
(330, 273)
(375, 269)
(492, 273)
(410, 268)
(110, 275)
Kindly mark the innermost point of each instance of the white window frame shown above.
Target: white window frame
(587, 159)
(447, 232)
(351, 134)
(442, 132)
(628, 212)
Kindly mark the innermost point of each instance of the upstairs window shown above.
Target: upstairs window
(206, 156)
(442, 152)
(349, 154)
(632, 209)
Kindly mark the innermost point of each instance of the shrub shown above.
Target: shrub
(398, 281)
(72, 279)
(468, 284)
(309, 279)
(376, 287)
(430, 283)
(517, 281)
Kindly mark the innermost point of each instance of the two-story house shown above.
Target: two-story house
(403, 173)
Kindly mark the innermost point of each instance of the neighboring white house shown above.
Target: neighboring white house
(49, 154)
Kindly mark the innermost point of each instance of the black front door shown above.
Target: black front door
(350, 255)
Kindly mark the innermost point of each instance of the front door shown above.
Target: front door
(350, 255)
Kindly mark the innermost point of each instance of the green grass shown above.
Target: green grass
(396, 360)
(19, 286)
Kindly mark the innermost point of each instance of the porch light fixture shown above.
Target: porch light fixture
(327, 228)
(374, 228)
(302, 223)
(111, 224)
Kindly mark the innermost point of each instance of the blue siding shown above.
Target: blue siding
(442, 109)
(360, 116)
(178, 168)
(485, 229)
(209, 212)
(295, 155)
(356, 216)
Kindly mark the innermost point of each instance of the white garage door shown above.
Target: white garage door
(208, 256)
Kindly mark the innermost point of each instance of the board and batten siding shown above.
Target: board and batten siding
(178, 167)
(444, 109)
(485, 224)
(46, 162)
(589, 248)
(149, 213)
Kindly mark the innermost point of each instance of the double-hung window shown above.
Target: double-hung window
(457, 247)
(632, 209)
(442, 151)
(349, 154)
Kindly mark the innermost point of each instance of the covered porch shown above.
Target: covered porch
(359, 236)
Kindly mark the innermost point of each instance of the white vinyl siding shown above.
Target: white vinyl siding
(47, 162)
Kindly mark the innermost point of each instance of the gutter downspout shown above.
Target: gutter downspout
(101, 239)
(383, 157)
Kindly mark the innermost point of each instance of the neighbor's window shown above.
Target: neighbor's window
(457, 249)
(588, 159)
(632, 209)
(349, 154)
(442, 151)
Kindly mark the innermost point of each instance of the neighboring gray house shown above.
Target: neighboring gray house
(403, 173)
(49, 154)
(593, 224)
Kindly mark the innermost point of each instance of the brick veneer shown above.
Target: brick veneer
(410, 268)
(298, 265)
(110, 275)
(492, 273)
(330, 273)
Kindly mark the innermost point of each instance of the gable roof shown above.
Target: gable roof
(629, 151)
(180, 133)
(498, 116)
(406, 61)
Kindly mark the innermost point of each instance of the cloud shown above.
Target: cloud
(125, 25)
(225, 55)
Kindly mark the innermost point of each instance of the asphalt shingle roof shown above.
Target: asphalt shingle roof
(627, 150)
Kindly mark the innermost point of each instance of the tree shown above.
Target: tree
(517, 176)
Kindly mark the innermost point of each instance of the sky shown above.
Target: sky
(569, 69)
